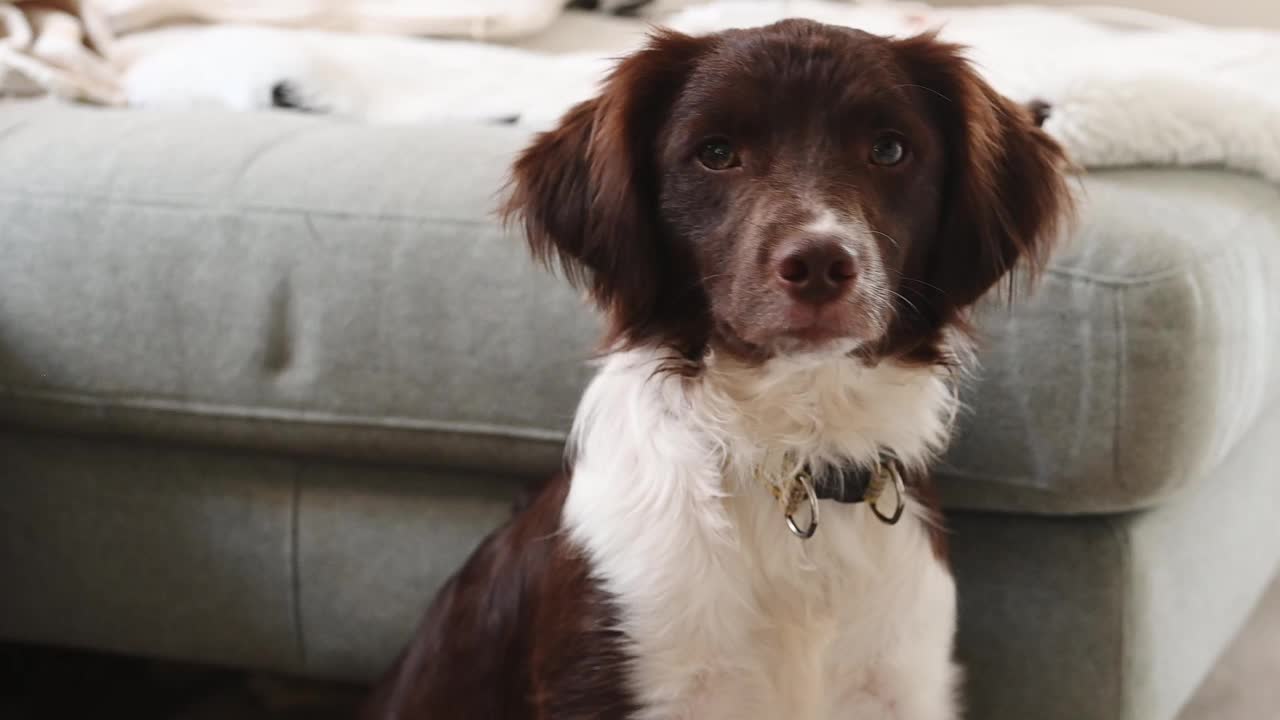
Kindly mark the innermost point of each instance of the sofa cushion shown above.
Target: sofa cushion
(280, 282)
(1151, 347)
(304, 285)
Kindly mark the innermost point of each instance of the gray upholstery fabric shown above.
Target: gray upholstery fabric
(301, 284)
(371, 554)
(285, 563)
(278, 282)
(1116, 617)
(147, 550)
(324, 568)
(1151, 348)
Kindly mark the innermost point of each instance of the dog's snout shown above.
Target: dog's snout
(815, 269)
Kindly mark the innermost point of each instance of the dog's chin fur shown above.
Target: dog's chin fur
(729, 345)
(728, 614)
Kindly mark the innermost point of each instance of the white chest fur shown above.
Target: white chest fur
(731, 616)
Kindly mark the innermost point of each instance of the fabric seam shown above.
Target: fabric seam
(1121, 380)
(1123, 695)
(299, 628)
(231, 209)
(217, 411)
(1156, 276)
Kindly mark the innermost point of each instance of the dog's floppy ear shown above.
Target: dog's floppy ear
(1005, 194)
(586, 191)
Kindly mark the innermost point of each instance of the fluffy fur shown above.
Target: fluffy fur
(728, 615)
(785, 227)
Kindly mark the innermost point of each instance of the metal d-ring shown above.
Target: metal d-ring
(805, 533)
(899, 491)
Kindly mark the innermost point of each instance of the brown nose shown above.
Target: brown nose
(815, 269)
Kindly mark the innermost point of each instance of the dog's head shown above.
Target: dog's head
(793, 188)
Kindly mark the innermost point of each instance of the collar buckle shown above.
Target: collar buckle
(888, 471)
(803, 489)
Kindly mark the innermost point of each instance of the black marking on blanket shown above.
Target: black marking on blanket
(616, 7)
(1040, 110)
(507, 120)
(286, 95)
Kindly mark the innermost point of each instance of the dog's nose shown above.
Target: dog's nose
(815, 269)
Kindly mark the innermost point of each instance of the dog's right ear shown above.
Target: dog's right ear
(1006, 191)
(586, 192)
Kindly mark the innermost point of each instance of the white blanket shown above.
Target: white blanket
(474, 19)
(57, 47)
(1160, 93)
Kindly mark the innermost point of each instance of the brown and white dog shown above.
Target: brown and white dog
(785, 227)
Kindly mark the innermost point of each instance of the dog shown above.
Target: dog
(785, 228)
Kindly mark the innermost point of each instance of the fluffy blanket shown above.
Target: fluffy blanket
(474, 19)
(63, 48)
(57, 47)
(1123, 88)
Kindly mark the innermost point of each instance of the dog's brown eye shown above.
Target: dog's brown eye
(717, 155)
(888, 150)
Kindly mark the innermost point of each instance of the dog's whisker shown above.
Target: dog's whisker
(901, 86)
(886, 236)
(918, 281)
(904, 299)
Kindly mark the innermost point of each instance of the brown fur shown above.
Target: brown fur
(521, 631)
(678, 254)
(611, 196)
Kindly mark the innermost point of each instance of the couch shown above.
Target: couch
(266, 379)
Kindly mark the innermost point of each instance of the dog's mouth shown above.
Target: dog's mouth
(801, 330)
(820, 323)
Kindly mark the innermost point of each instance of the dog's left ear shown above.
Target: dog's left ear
(1005, 195)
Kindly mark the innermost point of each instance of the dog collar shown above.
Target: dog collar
(849, 485)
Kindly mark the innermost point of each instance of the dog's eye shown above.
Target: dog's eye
(717, 154)
(888, 150)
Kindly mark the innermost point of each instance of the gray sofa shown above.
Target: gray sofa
(266, 379)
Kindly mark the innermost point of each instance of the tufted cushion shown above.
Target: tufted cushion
(303, 285)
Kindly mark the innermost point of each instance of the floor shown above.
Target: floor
(1246, 683)
(34, 686)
